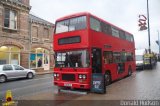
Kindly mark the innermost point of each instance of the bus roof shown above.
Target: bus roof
(88, 14)
(72, 15)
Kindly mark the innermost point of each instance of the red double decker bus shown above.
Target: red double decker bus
(85, 44)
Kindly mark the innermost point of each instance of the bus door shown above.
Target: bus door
(96, 60)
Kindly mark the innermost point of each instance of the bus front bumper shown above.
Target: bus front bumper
(72, 85)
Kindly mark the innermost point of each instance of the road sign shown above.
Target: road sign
(142, 22)
(98, 83)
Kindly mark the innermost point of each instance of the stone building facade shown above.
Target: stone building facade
(24, 38)
(41, 56)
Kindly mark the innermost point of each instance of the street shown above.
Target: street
(142, 85)
(25, 89)
(21, 87)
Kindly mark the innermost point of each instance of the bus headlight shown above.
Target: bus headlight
(84, 77)
(55, 75)
(80, 76)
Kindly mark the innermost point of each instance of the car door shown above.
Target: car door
(9, 71)
(21, 72)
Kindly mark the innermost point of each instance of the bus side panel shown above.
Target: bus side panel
(113, 70)
(128, 65)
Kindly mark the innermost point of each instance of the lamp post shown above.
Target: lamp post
(30, 42)
(148, 27)
(158, 44)
(149, 34)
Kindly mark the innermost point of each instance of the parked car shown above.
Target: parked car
(140, 58)
(10, 71)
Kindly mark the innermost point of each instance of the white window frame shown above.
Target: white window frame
(43, 57)
(12, 19)
(10, 53)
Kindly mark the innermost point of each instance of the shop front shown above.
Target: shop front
(40, 59)
(10, 54)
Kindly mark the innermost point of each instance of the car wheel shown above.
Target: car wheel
(107, 79)
(30, 75)
(3, 78)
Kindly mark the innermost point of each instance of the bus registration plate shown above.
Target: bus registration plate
(68, 85)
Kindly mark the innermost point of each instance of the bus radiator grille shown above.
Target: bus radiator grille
(68, 77)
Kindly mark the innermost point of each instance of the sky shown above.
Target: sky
(122, 13)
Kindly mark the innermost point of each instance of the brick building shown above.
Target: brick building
(41, 56)
(24, 38)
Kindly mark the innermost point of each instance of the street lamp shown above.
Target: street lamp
(148, 27)
(158, 44)
(149, 33)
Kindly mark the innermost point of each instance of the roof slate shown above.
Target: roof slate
(36, 19)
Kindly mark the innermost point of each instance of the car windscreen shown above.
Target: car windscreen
(139, 57)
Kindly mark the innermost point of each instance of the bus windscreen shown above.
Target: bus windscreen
(72, 59)
(72, 24)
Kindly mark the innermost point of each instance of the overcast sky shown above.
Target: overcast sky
(122, 13)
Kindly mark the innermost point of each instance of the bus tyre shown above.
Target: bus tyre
(107, 78)
(3, 78)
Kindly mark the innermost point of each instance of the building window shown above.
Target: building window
(9, 55)
(10, 19)
(46, 33)
(39, 58)
(35, 31)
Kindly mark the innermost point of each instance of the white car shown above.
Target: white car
(9, 71)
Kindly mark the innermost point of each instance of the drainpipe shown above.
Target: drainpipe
(30, 41)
